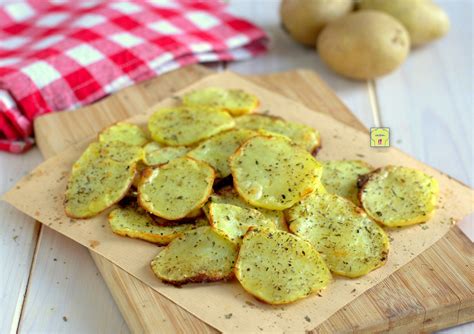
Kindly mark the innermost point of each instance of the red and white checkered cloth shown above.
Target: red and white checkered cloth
(60, 55)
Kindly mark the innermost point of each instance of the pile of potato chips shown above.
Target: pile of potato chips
(233, 193)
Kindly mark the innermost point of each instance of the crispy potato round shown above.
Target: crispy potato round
(187, 125)
(364, 45)
(278, 267)
(340, 177)
(217, 149)
(134, 222)
(234, 101)
(174, 190)
(301, 134)
(127, 133)
(351, 244)
(233, 221)
(228, 195)
(199, 255)
(304, 19)
(115, 151)
(156, 154)
(398, 196)
(273, 173)
(424, 20)
(96, 186)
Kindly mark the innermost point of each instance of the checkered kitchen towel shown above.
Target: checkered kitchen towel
(64, 54)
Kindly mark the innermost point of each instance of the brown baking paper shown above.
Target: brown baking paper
(226, 306)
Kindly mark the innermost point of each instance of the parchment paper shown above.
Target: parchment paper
(226, 306)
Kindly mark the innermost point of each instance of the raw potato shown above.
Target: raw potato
(301, 134)
(129, 134)
(304, 19)
(350, 243)
(398, 196)
(233, 221)
(96, 186)
(134, 222)
(228, 195)
(174, 190)
(187, 125)
(156, 154)
(340, 177)
(273, 173)
(364, 45)
(235, 101)
(199, 255)
(217, 149)
(279, 268)
(424, 20)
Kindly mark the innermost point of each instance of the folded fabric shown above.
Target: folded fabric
(61, 55)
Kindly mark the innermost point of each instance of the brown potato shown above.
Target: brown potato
(424, 20)
(304, 19)
(364, 45)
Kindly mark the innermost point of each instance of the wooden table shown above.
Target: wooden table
(50, 284)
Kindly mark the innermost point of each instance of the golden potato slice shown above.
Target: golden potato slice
(278, 267)
(175, 190)
(217, 149)
(116, 151)
(199, 255)
(398, 196)
(233, 221)
(301, 134)
(234, 101)
(187, 125)
(351, 244)
(96, 186)
(127, 133)
(340, 177)
(134, 222)
(228, 195)
(156, 154)
(273, 173)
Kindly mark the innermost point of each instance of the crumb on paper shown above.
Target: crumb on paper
(307, 318)
(228, 316)
(93, 243)
(64, 318)
(15, 237)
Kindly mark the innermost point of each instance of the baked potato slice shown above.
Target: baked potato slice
(351, 244)
(175, 190)
(134, 222)
(199, 255)
(228, 195)
(235, 101)
(233, 221)
(340, 177)
(180, 126)
(278, 267)
(115, 151)
(217, 149)
(156, 154)
(302, 135)
(398, 196)
(97, 185)
(273, 173)
(127, 133)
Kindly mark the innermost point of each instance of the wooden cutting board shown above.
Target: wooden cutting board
(431, 292)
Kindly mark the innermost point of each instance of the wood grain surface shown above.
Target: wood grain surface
(431, 292)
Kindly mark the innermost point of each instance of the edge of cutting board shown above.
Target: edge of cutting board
(433, 291)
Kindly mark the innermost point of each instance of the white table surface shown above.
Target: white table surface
(49, 284)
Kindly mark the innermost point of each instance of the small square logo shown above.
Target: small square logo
(380, 137)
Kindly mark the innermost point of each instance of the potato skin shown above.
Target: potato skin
(364, 44)
(424, 20)
(304, 19)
